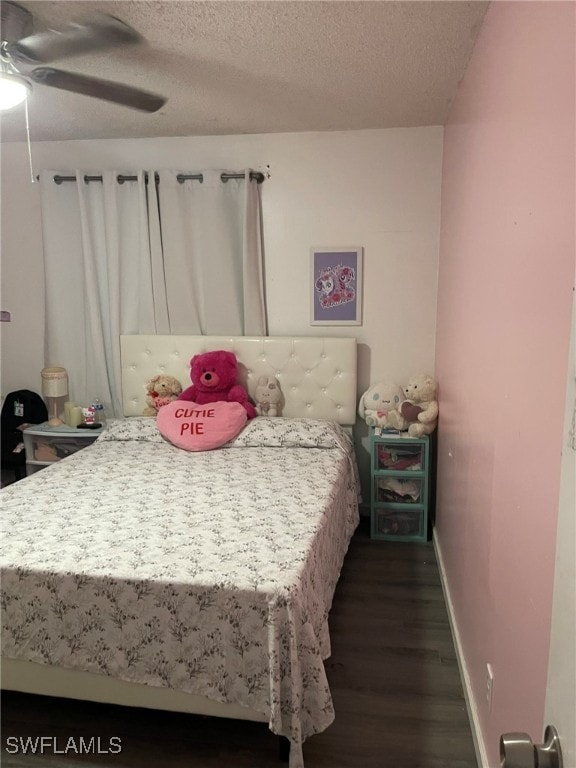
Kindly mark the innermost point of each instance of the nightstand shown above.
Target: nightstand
(400, 486)
(45, 445)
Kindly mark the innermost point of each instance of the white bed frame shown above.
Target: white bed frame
(317, 377)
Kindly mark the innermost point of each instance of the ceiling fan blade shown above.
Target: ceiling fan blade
(15, 21)
(74, 39)
(98, 89)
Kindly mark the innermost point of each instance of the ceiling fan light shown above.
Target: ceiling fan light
(13, 90)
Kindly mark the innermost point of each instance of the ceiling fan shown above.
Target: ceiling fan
(20, 48)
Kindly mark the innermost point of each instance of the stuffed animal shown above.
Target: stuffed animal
(421, 406)
(267, 396)
(160, 391)
(379, 406)
(214, 377)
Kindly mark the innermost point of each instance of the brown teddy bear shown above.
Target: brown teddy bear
(160, 390)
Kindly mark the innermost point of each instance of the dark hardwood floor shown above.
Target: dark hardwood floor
(393, 675)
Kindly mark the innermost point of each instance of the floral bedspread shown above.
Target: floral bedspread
(211, 573)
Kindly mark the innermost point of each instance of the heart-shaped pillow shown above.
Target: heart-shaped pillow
(410, 410)
(196, 427)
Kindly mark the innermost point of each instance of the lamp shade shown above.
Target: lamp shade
(54, 382)
(13, 90)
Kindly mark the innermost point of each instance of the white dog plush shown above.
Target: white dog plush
(380, 406)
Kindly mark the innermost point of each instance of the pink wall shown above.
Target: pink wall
(504, 303)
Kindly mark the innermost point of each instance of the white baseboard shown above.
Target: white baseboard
(479, 746)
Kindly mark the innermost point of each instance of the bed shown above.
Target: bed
(136, 573)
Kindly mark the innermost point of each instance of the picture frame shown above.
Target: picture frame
(336, 285)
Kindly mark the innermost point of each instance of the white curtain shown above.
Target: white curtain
(211, 239)
(139, 258)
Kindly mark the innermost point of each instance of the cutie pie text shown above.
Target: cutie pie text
(193, 427)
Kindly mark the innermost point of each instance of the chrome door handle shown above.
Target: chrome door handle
(517, 750)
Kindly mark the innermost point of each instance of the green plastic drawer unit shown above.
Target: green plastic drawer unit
(400, 486)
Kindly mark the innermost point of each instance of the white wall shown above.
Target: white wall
(378, 189)
(560, 709)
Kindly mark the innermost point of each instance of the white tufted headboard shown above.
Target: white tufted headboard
(317, 376)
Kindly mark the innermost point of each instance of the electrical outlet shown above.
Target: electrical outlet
(489, 686)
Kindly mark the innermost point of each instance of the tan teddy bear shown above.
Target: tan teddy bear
(160, 391)
(421, 406)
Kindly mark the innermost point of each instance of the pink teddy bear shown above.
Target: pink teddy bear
(214, 377)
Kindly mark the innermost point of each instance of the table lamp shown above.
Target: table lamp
(54, 385)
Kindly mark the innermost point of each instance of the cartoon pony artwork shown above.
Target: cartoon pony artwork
(333, 286)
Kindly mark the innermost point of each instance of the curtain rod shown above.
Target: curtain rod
(181, 177)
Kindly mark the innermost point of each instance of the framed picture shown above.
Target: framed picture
(336, 286)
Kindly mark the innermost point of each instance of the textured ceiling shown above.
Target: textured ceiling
(261, 67)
